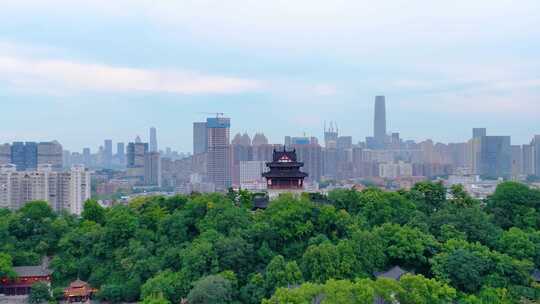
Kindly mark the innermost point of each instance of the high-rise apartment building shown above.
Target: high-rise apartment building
(251, 174)
(517, 160)
(62, 190)
(107, 154)
(136, 153)
(241, 151)
(77, 180)
(50, 153)
(495, 156)
(5, 154)
(121, 153)
(200, 138)
(344, 143)
(24, 155)
(312, 157)
(527, 159)
(379, 127)
(153, 140)
(264, 152)
(536, 156)
(259, 139)
(219, 152)
(152, 169)
(87, 157)
(330, 136)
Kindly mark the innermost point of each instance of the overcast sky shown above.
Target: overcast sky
(82, 71)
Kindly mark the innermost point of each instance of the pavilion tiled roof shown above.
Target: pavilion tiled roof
(394, 273)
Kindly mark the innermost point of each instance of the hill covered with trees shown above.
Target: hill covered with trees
(214, 249)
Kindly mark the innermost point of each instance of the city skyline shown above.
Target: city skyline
(128, 65)
(106, 144)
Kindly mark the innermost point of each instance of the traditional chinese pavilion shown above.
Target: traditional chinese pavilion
(78, 291)
(25, 277)
(284, 171)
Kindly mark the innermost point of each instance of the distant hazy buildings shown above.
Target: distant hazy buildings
(312, 157)
(395, 170)
(241, 151)
(259, 139)
(251, 174)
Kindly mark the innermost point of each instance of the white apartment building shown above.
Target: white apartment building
(395, 170)
(62, 190)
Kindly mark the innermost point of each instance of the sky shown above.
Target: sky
(81, 71)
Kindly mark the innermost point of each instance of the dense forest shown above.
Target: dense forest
(312, 249)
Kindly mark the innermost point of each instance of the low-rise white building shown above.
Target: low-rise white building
(395, 170)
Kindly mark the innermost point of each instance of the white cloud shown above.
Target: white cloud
(357, 26)
(54, 75)
(325, 90)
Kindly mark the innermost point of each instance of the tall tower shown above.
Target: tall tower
(536, 151)
(380, 122)
(153, 140)
(479, 132)
(200, 138)
(219, 154)
(107, 154)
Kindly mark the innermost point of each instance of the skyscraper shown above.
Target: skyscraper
(312, 156)
(5, 154)
(380, 122)
(50, 153)
(200, 138)
(136, 153)
(153, 140)
(479, 132)
(517, 160)
(87, 157)
(527, 160)
(536, 153)
(495, 159)
(219, 154)
(107, 154)
(330, 136)
(241, 151)
(152, 169)
(24, 155)
(121, 153)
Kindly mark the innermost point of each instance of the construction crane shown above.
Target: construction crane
(218, 114)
